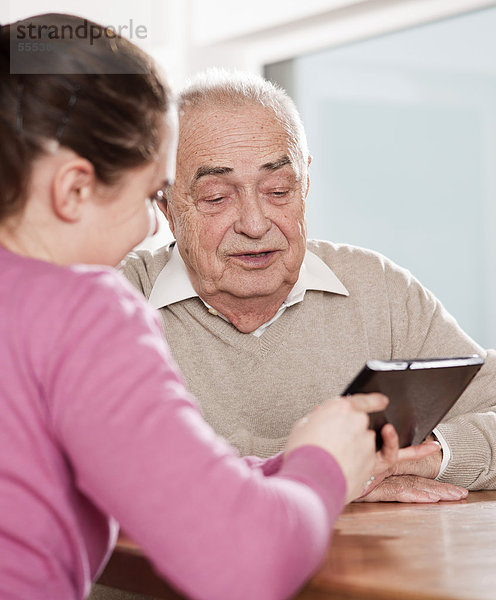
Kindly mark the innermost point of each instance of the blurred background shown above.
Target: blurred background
(398, 99)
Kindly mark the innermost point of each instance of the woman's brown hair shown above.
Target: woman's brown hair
(100, 96)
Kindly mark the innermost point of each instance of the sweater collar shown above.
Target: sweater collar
(173, 283)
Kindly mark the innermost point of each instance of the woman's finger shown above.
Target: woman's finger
(368, 402)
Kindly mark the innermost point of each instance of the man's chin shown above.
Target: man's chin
(257, 286)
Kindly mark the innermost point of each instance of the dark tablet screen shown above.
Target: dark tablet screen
(420, 392)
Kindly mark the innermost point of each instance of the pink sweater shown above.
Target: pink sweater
(96, 425)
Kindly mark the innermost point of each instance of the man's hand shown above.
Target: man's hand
(427, 465)
(411, 477)
(411, 488)
(423, 460)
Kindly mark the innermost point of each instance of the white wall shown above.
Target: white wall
(188, 35)
(247, 36)
(221, 20)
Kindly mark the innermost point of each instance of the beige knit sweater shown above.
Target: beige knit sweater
(252, 390)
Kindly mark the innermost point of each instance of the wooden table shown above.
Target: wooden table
(383, 551)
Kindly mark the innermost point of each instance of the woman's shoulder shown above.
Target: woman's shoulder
(45, 289)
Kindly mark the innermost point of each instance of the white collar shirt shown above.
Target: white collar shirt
(173, 285)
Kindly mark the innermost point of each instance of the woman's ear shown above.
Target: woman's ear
(73, 186)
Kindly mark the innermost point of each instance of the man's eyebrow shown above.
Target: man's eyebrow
(277, 164)
(204, 171)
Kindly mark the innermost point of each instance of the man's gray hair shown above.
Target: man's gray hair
(219, 87)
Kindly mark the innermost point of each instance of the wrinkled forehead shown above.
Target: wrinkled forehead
(222, 134)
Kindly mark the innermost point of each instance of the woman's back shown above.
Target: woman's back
(54, 537)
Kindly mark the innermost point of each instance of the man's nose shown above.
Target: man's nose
(252, 220)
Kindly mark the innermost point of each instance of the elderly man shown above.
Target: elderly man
(264, 323)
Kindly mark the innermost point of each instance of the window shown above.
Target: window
(402, 129)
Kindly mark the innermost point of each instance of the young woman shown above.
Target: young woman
(96, 423)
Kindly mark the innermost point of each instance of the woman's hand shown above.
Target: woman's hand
(340, 426)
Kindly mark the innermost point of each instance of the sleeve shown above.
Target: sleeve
(268, 466)
(421, 327)
(214, 525)
(445, 449)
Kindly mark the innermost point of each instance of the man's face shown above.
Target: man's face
(237, 205)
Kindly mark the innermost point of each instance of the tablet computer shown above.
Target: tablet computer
(420, 392)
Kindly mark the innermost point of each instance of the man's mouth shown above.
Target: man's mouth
(256, 254)
(255, 259)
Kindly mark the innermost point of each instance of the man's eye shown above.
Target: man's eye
(279, 194)
(212, 200)
(212, 204)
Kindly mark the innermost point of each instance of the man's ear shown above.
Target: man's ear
(308, 177)
(73, 185)
(165, 209)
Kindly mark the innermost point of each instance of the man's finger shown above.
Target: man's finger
(389, 451)
(392, 494)
(406, 488)
(418, 452)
